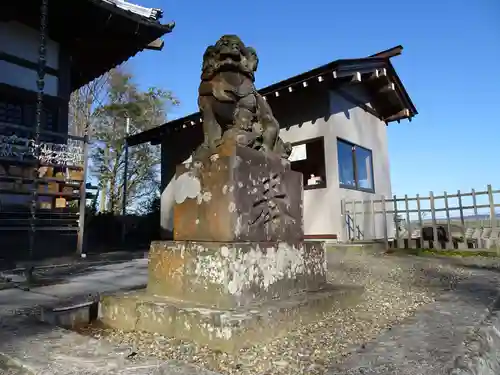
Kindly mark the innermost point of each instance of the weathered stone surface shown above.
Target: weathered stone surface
(46, 350)
(244, 195)
(226, 330)
(226, 275)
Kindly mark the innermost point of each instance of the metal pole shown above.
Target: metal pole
(125, 168)
(125, 178)
(83, 198)
(36, 147)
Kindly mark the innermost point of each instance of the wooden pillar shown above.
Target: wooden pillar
(63, 90)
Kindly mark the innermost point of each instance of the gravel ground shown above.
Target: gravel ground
(6, 368)
(394, 288)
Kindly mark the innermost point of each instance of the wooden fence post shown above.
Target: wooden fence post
(461, 208)
(433, 215)
(384, 212)
(408, 223)
(343, 215)
(448, 221)
(354, 219)
(420, 222)
(474, 204)
(491, 202)
(396, 219)
(374, 214)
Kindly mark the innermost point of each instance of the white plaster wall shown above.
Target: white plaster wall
(167, 202)
(22, 41)
(318, 210)
(322, 207)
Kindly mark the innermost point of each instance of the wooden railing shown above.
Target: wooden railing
(400, 220)
(57, 174)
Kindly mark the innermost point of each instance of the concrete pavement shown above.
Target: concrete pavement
(43, 349)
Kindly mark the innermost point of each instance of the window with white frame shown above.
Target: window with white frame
(355, 166)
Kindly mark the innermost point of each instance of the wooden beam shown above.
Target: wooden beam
(378, 73)
(155, 45)
(356, 77)
(388, 88)
(388, 53)
(19, 61)
(405, 113)
(352, 99)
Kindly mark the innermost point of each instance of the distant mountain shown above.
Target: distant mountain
(476, 217)
(441, 219)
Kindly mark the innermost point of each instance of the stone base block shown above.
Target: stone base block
(226, 330)
(244, 195)
(229, 275)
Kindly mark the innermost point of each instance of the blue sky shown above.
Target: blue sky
(450, 67)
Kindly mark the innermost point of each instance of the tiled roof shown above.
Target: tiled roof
(153, 13)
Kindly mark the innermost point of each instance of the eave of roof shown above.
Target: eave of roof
(144, 30)
(98, 34)
(348, 70)
(151, 13)
(137, 13)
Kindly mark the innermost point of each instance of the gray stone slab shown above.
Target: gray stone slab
(226, 330)
(12, 300)
(46, 350)
(99, 281)
(74, 288)
(133, 265)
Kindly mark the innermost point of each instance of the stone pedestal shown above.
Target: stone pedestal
(228, 295)
(230, 275)
(244, 195)
(238, 271)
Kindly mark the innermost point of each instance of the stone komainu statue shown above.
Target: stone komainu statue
(230, 104)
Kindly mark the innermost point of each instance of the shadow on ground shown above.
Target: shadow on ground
(474, 284)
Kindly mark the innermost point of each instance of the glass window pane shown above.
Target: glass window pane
(364, 168)
(346, 164)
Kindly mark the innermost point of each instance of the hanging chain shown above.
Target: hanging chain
(42, 53)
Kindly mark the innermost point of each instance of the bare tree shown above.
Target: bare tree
(145, 109)
(83, 103)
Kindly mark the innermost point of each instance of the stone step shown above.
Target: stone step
(225, 330)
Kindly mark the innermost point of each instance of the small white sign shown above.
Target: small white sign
(299, 152)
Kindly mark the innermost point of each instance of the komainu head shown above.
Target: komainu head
(229, 54)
